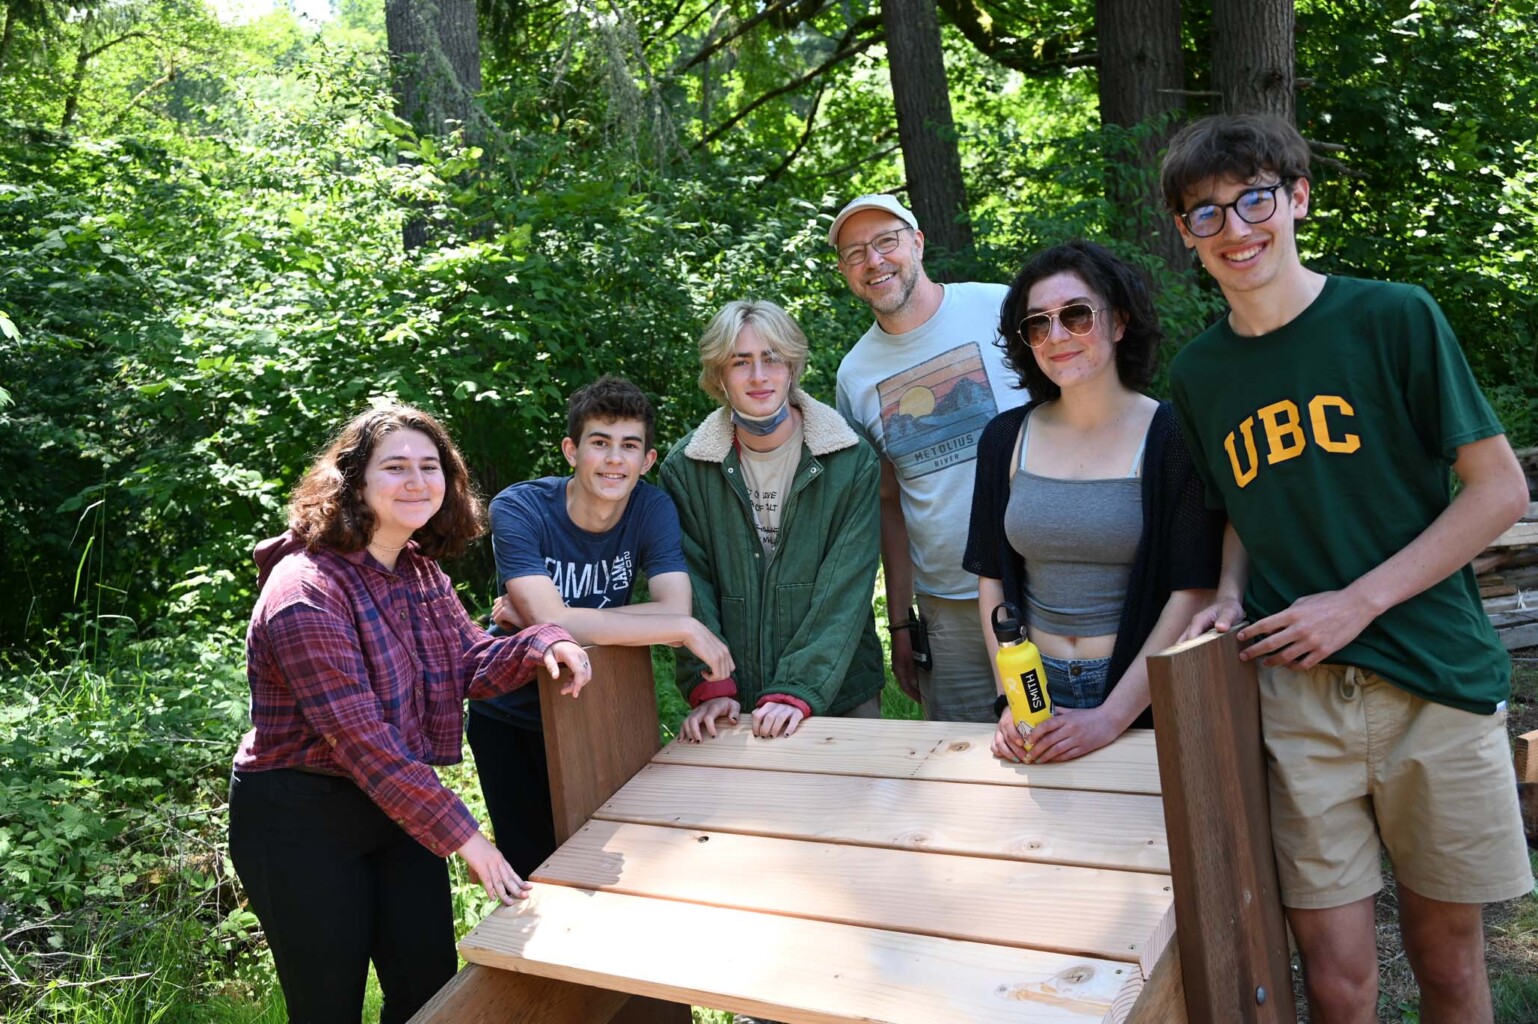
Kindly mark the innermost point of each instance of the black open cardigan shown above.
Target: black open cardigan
(1180, 548)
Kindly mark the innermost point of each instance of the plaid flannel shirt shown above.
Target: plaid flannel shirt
(362, 672)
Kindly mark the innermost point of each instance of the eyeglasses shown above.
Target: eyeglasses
(1254, 206)
(854, 255)
(1077, 318)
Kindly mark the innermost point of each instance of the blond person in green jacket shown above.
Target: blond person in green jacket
(777, 497)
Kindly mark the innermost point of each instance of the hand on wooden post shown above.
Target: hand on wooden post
(1222, 615)
(569, 654)
(1307, 632)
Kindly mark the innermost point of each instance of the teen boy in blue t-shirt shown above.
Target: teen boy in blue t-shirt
(568, 550)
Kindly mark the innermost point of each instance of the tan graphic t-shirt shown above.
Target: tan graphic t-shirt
(768, 476)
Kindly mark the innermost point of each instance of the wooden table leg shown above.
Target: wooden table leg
(485, 995)
(1163, 999)
(595, 743)
(1228, 909)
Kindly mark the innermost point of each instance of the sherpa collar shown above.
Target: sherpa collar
(822, 427)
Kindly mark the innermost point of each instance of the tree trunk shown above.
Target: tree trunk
(435, 53)
(931, 159)
(1141, 76)
(77, 78)
(7, 35)
(1252, 56)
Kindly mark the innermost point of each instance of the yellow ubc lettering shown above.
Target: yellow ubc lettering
(1242, 477)
(1349, 442)
(1284, 438)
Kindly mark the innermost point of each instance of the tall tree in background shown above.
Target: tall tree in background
(435, 56)
(1141, 83)
(1252, 56)
(931, 159)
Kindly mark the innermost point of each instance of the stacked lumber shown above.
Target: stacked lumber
(1507, 571)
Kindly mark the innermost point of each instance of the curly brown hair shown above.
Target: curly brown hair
(328, 510)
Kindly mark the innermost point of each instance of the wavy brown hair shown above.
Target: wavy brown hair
(328, 510)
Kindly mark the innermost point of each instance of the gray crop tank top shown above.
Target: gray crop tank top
(1078, 539)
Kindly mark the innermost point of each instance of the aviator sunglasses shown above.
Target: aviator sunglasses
(1077, 318)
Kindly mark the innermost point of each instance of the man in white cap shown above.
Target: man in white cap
(920, 385)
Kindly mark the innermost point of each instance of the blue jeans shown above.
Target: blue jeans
(1077, 682)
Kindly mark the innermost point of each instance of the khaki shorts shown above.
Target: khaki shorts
(1355, 762)
(961, 687)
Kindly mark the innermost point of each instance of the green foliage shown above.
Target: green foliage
(109, 844)
(1436, 106)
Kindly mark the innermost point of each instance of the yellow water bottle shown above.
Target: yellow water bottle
(1021, 671)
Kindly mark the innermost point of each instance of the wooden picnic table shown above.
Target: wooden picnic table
(891, 872)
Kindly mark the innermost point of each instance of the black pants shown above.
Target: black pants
(336, 884)
(516, 783)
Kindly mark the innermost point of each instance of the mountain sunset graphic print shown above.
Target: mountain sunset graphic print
(932, 414)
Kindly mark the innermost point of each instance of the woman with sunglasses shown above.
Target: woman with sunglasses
(1087, 515)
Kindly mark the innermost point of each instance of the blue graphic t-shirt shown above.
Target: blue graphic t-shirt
(532, 535)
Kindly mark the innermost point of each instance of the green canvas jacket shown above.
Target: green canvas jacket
(798, 621)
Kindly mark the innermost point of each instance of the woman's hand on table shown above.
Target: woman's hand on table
(1070, 733)
(569, 654)
(703, 718)
(1008, 744)
(776, 719)
(489, 868)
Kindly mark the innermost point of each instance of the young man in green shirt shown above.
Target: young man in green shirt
(1323, 414)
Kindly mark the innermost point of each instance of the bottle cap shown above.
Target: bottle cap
(1006, 630)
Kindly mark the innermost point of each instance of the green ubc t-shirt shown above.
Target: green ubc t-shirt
(1329, 443)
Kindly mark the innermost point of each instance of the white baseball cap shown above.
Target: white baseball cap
(877, 201)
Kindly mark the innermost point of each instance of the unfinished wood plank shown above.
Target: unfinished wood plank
(787, 969)
(1527, 757)
(1232, 937)
(1519, 536)
(939, 751)
(1162, 999)
(1112, 915)
(485, 995)
(1090, 829)
(594, 744)
(1516, 628)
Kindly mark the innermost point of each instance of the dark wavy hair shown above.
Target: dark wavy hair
(328, 510)
(1237, 146)
(607, 399)
(1119, 285)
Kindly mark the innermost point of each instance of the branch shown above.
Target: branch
(806, 133)
(169, 76)
(791, 86)
(109, 44)
(1039, 58)
(839, 172)
(741, 29)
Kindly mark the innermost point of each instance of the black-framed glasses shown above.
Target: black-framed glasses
(1254, 206)
(1077, 318)
(854, 255)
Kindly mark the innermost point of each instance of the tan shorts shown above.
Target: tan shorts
(1355, 762)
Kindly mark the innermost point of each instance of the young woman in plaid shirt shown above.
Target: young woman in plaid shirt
(360, 657)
